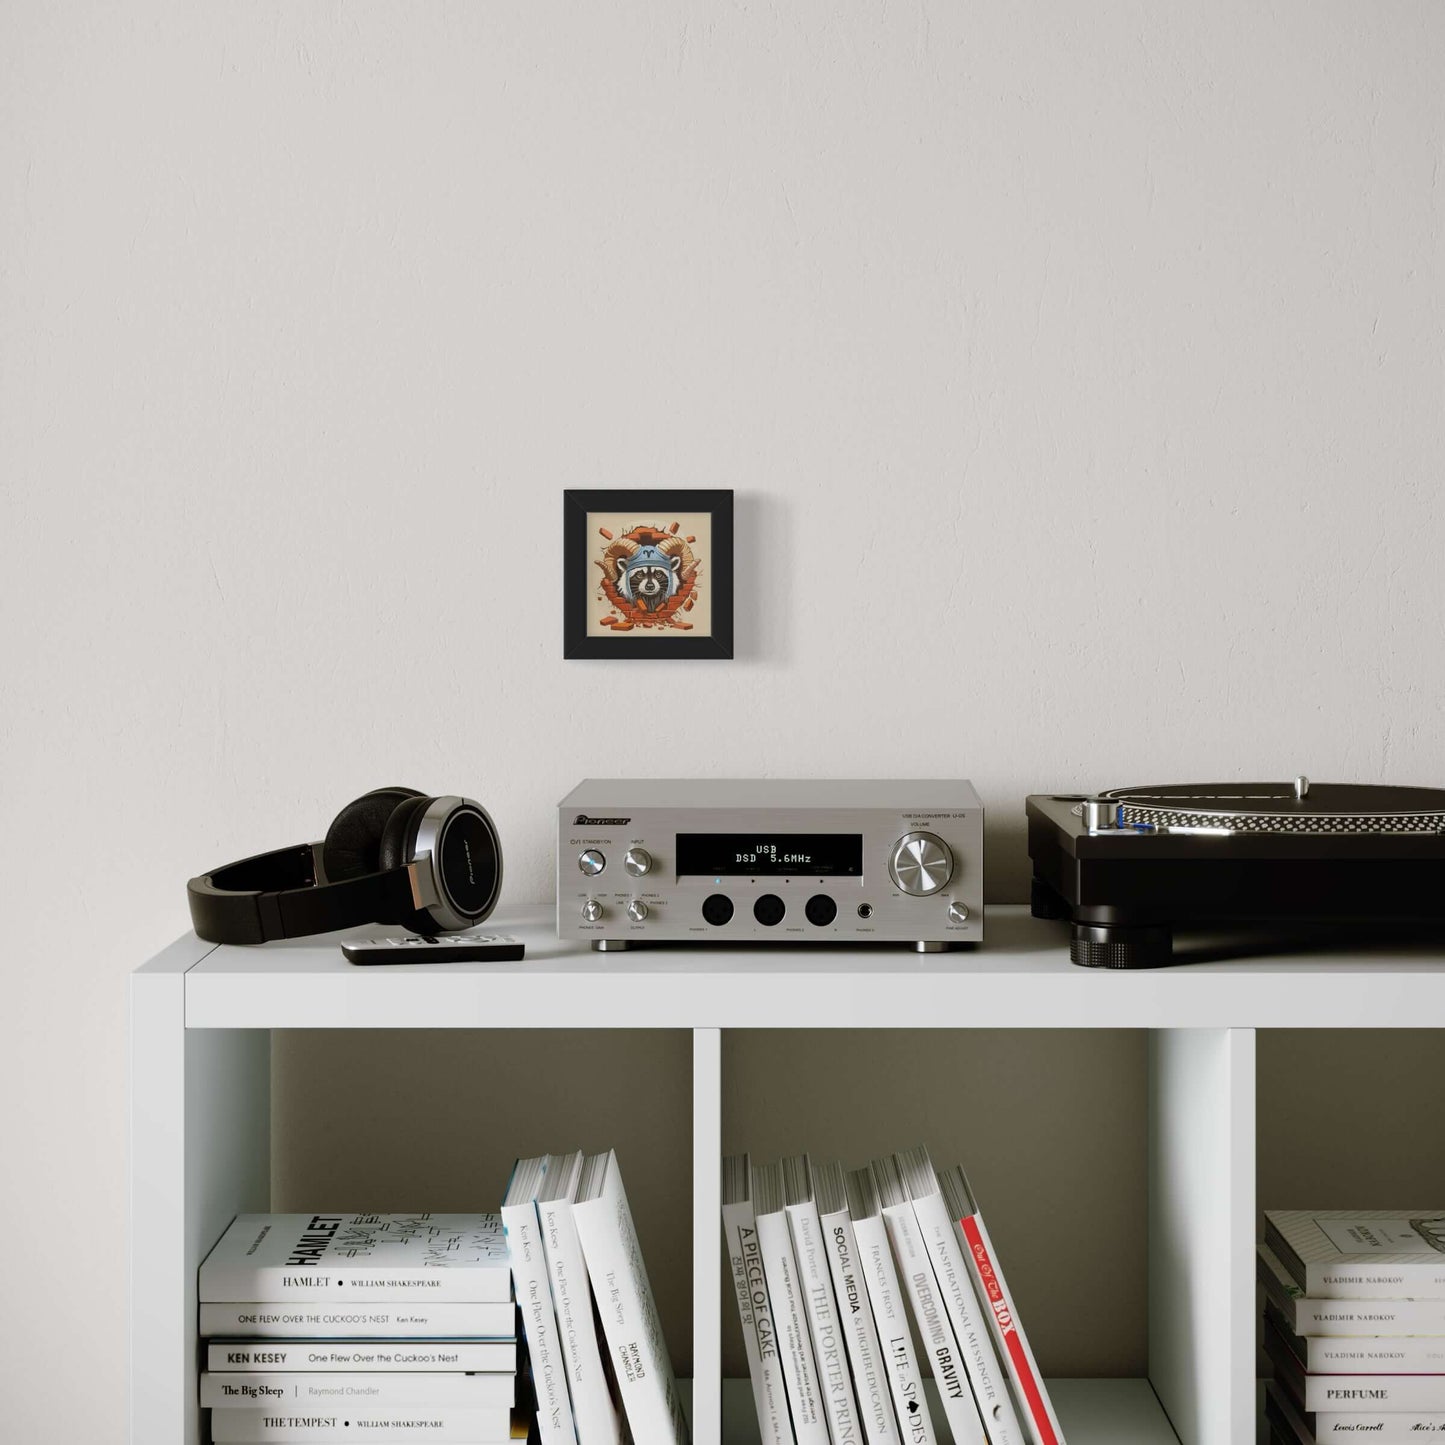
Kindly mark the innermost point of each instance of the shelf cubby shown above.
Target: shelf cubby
(1108, 1123)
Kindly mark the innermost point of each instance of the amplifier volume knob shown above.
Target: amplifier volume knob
(637, 910)
(591, 862)
(921, 864)
(592, 910)
(638, 862)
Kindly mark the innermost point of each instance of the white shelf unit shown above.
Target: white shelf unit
(202, 1019)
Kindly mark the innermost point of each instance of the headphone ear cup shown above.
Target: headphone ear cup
(400, 832)
(398, 839)
(353, 841)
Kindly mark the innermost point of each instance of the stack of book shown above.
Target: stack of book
(1354, 1324)
(834, 1273)
(598, 1361)
(377, 1327)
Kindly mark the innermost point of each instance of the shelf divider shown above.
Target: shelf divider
(706, 1224)
(1201, 1230)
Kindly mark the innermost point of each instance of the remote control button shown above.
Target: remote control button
(717, 909)
(769, 910)
(821, 910)
(592, 862)
(637, 862)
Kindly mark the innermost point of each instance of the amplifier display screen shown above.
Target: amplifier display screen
(770, 855)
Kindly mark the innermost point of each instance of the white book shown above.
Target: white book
(760, 1334)
(640, 1361)
(379, 1390)
(533, 1289)
(1380, 1427)
(491, 1426)
(795, 1341)
(1363, 1354)
(929, 1312)
(1361, 1253)
(332, 1258)
(274, 1320)
(1334, 1317)
(593, 1413)
(830, 1351)
(986, 1376)
(890, 1312)
(870, 1375)
(1003, 1317)
(357, 1356)
(1350, 1394)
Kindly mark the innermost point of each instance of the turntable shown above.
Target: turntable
(1128, 867)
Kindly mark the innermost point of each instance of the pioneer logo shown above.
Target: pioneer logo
(583, 821)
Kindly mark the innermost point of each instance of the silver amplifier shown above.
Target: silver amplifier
(770, 861)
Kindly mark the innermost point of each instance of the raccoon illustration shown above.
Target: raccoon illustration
(649, 577)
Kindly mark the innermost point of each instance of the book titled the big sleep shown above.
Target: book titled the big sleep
(306, 1258)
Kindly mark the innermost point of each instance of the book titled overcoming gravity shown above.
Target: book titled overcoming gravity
(374, 1258)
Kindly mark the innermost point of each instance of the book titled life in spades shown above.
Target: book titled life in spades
(625, 1304)
(376, 1258)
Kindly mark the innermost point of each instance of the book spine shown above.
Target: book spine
(1374, 1281)
(481, 1284)
(830, 1353)
(1422, 1355)
(934, 1328)
(975, 1344)
(539, 1323)
(1386, 1393)
(358, 1357)
(467, 1427)
(266, 1320)
(376, 1391)
(870, 1377)
(593, 1413)
(629, 1317)
(1335, 1318)
(745, 1260)
(885, 1294)
(1008, 1331)
(780, 1268)
(1382, 1428)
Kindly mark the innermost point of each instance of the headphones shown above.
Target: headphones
(433, 865)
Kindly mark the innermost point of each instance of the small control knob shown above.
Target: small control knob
(592, 910)
(637, 910)
(921, 864)
(638, 862)
(591, 862)
(958, 912)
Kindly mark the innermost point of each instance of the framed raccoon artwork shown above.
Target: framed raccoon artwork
(647, 573)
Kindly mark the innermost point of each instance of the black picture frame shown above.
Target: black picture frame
(579, 575)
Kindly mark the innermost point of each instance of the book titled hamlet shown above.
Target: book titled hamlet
(390, 1258)
(760, 1333)
(534, 1300)
(625, 1305)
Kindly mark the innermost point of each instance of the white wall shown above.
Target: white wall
(1079, 368)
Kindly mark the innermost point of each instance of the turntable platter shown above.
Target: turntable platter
(1285, 808)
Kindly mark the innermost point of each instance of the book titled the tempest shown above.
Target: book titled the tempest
(455, 1258)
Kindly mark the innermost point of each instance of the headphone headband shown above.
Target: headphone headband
(443, 873)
